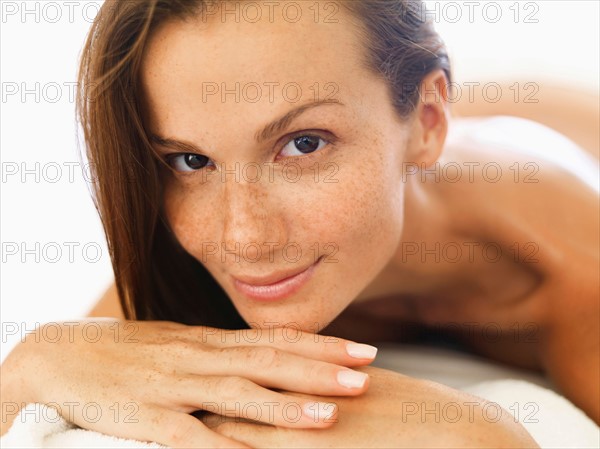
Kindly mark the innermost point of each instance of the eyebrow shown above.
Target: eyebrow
(266, 133)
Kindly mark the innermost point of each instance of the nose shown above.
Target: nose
(253, 230)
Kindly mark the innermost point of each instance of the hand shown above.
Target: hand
(397, 411)
(136, 379)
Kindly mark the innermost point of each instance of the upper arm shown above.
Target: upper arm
(108, 305)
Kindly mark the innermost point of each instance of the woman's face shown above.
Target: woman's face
(257, 201)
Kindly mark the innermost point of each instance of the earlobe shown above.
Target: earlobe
(431, 120)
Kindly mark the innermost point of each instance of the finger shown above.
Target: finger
(274, 368)
(176, 430)
(254, 435)
(153, 424)
(212, 420)
(315, 346)
(239, 397)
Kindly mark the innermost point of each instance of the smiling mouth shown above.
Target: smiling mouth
(276, 286)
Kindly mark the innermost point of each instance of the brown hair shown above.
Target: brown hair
(155, 277)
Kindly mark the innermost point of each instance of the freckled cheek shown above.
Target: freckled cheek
(190, 216)
(355, 216)
(361, 214)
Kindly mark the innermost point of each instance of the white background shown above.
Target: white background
(562, 46)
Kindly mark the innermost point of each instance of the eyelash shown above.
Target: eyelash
(309, 157)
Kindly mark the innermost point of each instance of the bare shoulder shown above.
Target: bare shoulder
(516, 160)
(522, 181)
(506, 142)
(545, 192)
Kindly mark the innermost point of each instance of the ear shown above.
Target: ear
(430, 122)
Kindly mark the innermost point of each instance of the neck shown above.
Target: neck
(425, 223)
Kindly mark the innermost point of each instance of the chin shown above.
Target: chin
(294, 318)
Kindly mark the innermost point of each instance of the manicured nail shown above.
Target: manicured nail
(319, 411)
(361, 351)
(351, 379)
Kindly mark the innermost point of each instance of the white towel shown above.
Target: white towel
(551, 420)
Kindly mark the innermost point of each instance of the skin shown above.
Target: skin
(372, 148)
(394, 407)
(368, 148)
(373, 288)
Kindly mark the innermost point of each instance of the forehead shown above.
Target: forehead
(311, 50)
(273, 45)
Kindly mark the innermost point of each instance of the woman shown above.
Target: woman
(279, 167)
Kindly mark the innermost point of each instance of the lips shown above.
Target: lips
(274, 286)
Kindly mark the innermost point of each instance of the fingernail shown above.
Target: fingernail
(351, 379)
(361, 351)
(319, 411)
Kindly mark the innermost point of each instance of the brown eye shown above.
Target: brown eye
(188, 161)
(304, 145)
(307, 144)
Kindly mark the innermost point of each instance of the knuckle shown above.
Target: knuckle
(170, 344)
(181, 346)
(233, 386)
(156, 376)
(211, 336)
(316, 370)
(226, 428)
(180, 431)
(264, 356)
